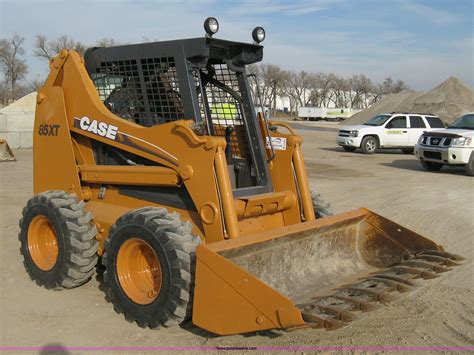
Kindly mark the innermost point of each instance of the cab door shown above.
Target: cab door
(396, 132)
(416, 129)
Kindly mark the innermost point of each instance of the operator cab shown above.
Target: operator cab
(200, 79)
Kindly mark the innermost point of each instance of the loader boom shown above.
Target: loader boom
(90, 131)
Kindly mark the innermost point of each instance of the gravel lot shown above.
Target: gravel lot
(437, 205)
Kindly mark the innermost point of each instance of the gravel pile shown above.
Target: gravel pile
(26, 103)
(448, 100)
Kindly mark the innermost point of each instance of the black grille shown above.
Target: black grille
(224, 108)
(432, 155)
(435, 140)
(146, 92)
(343, 133)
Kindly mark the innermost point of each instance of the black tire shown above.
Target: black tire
(369, 145)
(174, 246)
(321, 207)
(431, 166)
(75, 233)
(470, 165)
(349, 149)
(407, 150)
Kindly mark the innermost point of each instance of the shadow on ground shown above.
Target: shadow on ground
(333, 171)
(54, 349)
(359, 152)
(186, 325)
(190, 327)
(414, 165)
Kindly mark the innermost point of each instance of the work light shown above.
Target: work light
(211, 26)
(258, 34)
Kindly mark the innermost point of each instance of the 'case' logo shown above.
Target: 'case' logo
(100, 128)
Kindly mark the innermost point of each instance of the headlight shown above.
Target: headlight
(211, 26)
(461, 142)
(258, 34)
(353, 133)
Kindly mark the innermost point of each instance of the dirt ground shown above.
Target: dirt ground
(437, 205)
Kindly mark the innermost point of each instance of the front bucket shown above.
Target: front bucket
(318, 273)
(6, 153)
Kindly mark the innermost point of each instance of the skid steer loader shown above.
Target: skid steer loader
(152, 157)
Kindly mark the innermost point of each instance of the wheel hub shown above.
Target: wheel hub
(370, 145)
(42, 243)
(139, 271)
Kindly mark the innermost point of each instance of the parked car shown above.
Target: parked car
(390, 130)
(451, 146)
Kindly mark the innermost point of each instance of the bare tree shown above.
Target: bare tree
(400, 86)
(47, 49)
(297, 86)
(320, 89)
(269, 83)
(12, 65)
(391, 87)
(341, 91)
(4, 92)
(387, 87)
(109, 42)
(273, 78)
(34, 84)
(360, 86)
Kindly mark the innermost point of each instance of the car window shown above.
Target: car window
(434, 122)
(417, 122)
(397, 122)
(377, 120)
(463, 122)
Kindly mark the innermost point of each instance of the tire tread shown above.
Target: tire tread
(179, 245)
(79, 238)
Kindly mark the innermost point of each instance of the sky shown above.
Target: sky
(420, 41)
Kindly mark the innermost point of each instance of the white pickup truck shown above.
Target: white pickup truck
(451, 146)
(391, 130)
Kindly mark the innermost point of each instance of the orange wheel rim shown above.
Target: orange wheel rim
(42, 243)
(139, 271)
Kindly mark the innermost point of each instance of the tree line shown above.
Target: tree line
(318, 89)
(14, 68)
(271, 81)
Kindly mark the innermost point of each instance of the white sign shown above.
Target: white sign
(277, 142)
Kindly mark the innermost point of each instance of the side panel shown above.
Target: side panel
(54, 166)
(112, 205)
(283, 176)
(229, 300)
(173, 144)
(282, 167)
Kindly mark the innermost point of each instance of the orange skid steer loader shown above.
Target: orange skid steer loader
(152, 157)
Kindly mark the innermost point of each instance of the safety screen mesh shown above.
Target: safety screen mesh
(146, 92)
(118, 85)
(162, 89)
(220, 86)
